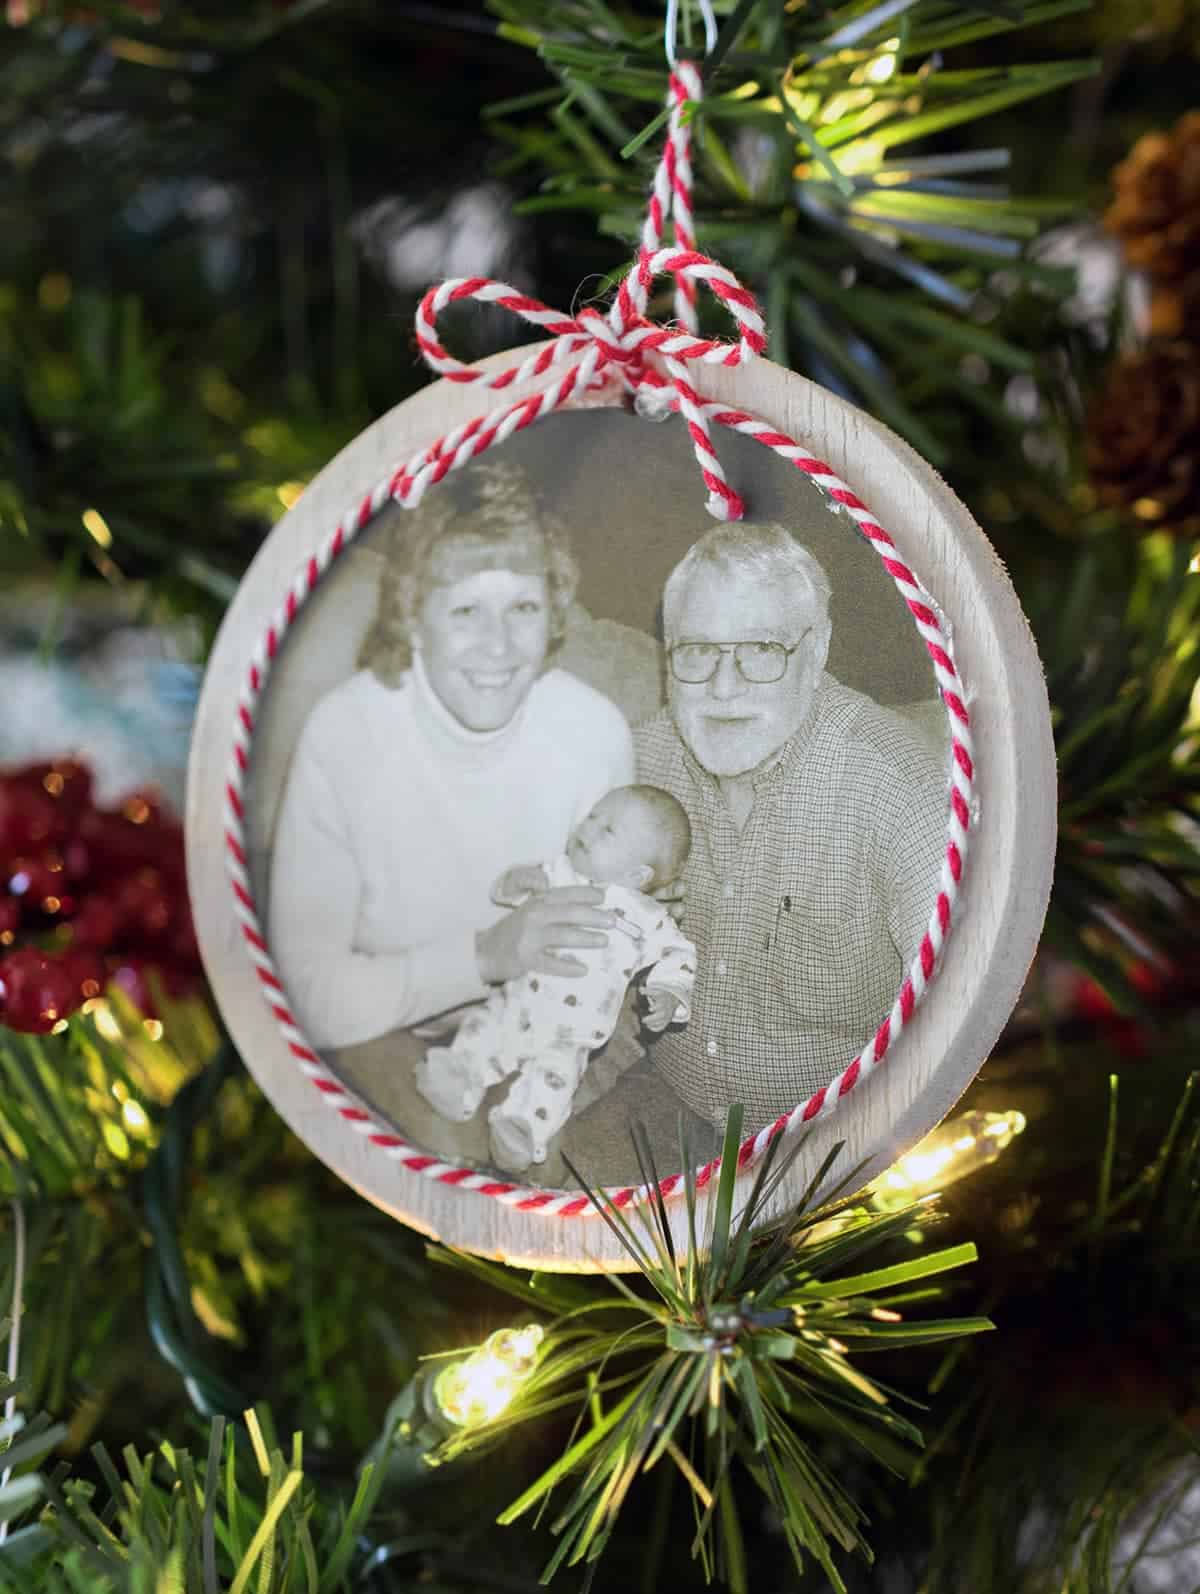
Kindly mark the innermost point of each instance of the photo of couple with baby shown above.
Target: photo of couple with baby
(513, 921)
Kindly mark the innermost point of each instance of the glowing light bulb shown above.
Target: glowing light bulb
(105, 1022)
(480, 1386)
(883, 66)
(951, 1152)
(97, 527)
(135, 1117)
(880, 68)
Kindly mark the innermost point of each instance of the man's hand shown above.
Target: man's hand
(515, 884)
(531, 939)
(661, 1007)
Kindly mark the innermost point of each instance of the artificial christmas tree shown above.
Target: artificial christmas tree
(210, 211)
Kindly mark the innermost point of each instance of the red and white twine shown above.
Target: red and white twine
(585, 351)
(671, 195)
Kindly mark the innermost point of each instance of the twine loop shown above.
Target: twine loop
(648, 358)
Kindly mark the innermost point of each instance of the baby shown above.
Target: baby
(542, 1027)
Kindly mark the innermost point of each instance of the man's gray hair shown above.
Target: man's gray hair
(766, 553)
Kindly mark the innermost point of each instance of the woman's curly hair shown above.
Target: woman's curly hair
(489, 503)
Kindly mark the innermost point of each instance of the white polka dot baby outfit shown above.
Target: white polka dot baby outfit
(542, 1027)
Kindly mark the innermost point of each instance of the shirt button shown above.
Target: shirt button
(722, 967)
(711, 1048)
(727, 893)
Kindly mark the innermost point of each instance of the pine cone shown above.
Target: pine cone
(1175, 308)
(1143, 436)
(1156, 215)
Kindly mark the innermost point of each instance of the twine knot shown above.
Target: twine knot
(648, 358)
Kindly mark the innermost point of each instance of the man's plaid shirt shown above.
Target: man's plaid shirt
(805, 920)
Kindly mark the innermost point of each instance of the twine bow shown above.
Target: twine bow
(648, 359)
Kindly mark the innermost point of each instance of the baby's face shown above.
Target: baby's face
(615, 843)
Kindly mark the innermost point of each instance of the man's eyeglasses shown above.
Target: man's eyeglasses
(757, 662)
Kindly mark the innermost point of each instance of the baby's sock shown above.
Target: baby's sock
(535, 1109)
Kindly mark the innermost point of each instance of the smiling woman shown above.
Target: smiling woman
(483, 639)
(453, 750)
(474, 594)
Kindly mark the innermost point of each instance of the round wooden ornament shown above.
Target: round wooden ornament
(309, 847)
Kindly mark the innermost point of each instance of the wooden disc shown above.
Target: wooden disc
(998, 916)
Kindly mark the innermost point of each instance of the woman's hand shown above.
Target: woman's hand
(532, 938)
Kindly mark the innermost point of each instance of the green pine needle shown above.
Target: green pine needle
(255, 1522)
(810, 117)
(1122, 670)
(733, 1357)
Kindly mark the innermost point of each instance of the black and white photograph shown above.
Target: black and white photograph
(572, 807)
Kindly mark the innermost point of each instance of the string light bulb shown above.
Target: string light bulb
(97, 527)
(882, 67)
(479, 1387)
(950, 1152)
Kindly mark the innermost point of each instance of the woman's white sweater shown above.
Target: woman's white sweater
(396, 822)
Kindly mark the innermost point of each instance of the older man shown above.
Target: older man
(818, 820)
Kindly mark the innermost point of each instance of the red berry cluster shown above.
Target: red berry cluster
(92, 895)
